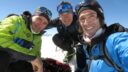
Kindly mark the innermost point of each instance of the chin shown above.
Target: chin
(69, 24)
(37, 31)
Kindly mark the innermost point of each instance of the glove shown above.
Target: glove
(51, 65)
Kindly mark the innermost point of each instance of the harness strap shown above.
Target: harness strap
(107, 58)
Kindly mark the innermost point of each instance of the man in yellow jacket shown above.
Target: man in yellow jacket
(20, 38)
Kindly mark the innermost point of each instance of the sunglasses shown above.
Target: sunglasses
(45, 11)
(65, 8)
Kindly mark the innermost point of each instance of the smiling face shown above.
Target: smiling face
(39, 23)
(89, 22)
(66, 18)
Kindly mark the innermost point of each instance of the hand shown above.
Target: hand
(37, 65)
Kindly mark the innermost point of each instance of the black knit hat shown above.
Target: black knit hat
(90, 4)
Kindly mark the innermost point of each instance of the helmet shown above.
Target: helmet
(90, 4)
(43, 11)
(64, 7)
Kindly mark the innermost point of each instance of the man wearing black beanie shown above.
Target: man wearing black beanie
(105, 47)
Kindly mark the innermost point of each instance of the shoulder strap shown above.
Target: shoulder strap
(116, 27)
(81, 59)
(107, 58)
(27, 17)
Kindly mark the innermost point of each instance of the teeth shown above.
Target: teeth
(89, 28)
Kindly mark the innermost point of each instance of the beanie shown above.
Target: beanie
(65, 7)
(90, 4)
(42, 11)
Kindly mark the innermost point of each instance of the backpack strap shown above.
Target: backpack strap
(12, 14)
(81, 59)
(107, 58)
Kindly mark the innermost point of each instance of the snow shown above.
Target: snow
(49, 50)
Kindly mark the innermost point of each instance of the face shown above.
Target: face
(66, 18)
(39, 23)
(89, 22)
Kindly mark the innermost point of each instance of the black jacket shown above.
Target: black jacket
(66, 32)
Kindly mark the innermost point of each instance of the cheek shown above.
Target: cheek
(63, 19)
(81, 23)
(97, 23)
(42, 26)
(35, 23)
(70, 17)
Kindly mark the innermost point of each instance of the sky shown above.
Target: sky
(115, 11)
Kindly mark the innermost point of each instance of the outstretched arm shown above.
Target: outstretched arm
(53, 23)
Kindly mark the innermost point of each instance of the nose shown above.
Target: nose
(86, 22)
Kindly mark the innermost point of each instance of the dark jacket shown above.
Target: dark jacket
(66, 32)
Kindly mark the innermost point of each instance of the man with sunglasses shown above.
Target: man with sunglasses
(105, 47)
(20, 40)
(67, 27)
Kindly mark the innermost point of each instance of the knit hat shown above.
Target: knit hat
(42, 11)
(64, 7)
(90, 4)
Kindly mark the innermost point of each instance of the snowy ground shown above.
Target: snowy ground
(49, 50)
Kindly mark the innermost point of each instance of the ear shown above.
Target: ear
(60, 18)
